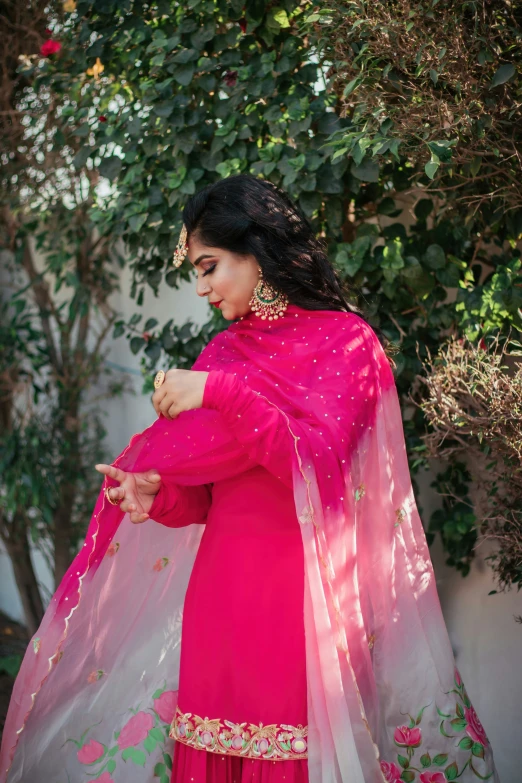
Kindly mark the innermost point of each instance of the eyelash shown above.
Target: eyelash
(211, 269)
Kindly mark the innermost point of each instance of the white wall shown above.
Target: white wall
(486, 639)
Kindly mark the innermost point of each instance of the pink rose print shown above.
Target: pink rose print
(90, 752)
(135, 730)
(458, 678)
(433, 777)
(165, 706)
(160, 563)
(475, 729)
(391, 771)
(105, 778)
(112, 549)
(407, 738)
(95, 676)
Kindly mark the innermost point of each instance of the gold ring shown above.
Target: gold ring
(111, 501)
(158, 380)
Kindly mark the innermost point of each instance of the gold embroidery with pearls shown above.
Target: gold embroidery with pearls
(275, 742)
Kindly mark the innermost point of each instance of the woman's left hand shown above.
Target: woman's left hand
(182, 390)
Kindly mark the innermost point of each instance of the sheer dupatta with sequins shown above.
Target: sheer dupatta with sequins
(97, 686)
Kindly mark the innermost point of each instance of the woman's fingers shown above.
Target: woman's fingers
(111, 471)
(157, 398)
(137, 518)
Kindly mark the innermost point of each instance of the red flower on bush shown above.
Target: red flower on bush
(230, 78)
(50, 47)
(102, 118)
(243, 25)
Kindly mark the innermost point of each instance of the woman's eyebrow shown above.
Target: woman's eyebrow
(196, 262)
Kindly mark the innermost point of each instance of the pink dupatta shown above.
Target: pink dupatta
(97, 687)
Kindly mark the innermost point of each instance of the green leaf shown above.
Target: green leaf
(183, 74)
(458, 724)
(81, 157)
(466, 743)
(503, 74)
(408, 776)
(435, 257)
(168, 760)
(136, 344)
(149, 743)
(440, 759)
(441, 150)
(478, 750)
(403, 761)
(425, 759)
(137, 757)
(431, 168)
(110, 167)
(367, 171)
(451, 771)
(111, 766)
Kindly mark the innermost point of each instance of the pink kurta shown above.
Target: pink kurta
(242, 707)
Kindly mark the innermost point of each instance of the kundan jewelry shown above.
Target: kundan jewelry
(159, 379)
(181, 249)
(267, 301)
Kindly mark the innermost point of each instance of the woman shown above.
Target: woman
(266, 520)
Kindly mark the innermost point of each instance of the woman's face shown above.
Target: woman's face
(228, 279)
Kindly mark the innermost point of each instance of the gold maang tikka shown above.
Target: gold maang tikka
(181, 249)
(267, 302)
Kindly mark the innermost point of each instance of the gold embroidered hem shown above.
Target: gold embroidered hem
(277, 742)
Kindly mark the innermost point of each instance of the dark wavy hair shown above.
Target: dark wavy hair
(249, 215)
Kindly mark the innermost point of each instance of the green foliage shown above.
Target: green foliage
(437, 86)
(192, 93)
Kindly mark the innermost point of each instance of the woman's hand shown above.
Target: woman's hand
(182, 390)
(137, 490)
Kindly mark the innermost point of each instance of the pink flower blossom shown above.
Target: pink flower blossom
(433, 777)
(407, 738)
(475, 729)
(165, 706)
(90, 752)
(135, 730)
(105, 778)
(458, 678)
(50, 47)
(391, 771)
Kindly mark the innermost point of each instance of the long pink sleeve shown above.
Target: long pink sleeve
(256, 424)
(176, 505)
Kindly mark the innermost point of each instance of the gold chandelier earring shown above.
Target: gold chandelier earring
(267, 301)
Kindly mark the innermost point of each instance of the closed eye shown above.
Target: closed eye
(211, 269)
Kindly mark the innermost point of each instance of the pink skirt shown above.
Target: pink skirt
(243, 657)
(191, 765)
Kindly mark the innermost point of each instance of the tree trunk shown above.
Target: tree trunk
(20, 554)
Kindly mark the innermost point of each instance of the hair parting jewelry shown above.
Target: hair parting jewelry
(267, 302)
(181, 249)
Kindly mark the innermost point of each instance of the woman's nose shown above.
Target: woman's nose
(202, 288)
